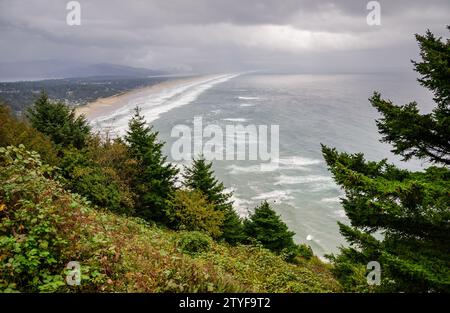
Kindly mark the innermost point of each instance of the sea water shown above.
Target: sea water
(310, 109)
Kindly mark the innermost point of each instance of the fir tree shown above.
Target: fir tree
(58, 122)
(266, 227)
(200, 176)
(422, 136)
(411, 210)
(154, 178)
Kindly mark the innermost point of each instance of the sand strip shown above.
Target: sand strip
(105, 106)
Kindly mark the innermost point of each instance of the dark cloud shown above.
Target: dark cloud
(220, 34)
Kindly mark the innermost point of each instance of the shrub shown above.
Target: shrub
(304, 251)
(95, 183)
(35, 222)
(194, 242)
(113, 157)
(290, 254)
(14, 132)
(189, 210)
(43, 227)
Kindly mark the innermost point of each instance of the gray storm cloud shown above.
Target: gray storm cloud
(212, 35)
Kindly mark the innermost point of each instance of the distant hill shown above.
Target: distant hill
(48, 69)
(107, 69)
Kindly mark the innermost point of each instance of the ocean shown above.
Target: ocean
(310, 109)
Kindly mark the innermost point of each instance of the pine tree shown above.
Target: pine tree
(58, 122)
(266, 227)
(155, 178)
(200, 176)
(411, 210)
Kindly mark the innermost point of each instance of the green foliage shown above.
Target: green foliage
(422, 136)
(14, 132)
(189, 210)
(43, 227)
(88, 179)
(233, 228)
(399, 218)
(111, 156)
(304, 251)
(200, 176)
(291, 253)
(260, 270)
(411, 210)
(194, 242)
(266, 227)
(33, 224)
(351, 274)
(154, 179)
(58, 122)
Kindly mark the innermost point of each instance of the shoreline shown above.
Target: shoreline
(104, 106)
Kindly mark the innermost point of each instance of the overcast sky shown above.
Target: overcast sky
(221, 35)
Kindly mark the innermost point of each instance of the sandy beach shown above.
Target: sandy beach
(104, 106)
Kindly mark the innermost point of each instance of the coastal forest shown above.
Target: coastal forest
(135, 223)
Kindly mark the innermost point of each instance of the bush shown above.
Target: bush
(43, 227)
(194, 242)
(189, 210)
(304, 251)
(95, 183)
(113, 157)
(36, 223)
(290, 254)
(14, 132)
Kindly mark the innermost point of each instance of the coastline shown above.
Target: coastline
(104, 106)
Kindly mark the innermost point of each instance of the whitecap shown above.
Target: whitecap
(340, 213)
(332, 200)
(257, 168)
(154, 104)
(294, 180)
(241, 206)
(248, 98)
(239, 120)
(298, 161)
(276, 195)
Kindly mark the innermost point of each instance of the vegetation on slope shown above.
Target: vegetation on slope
(43, 227)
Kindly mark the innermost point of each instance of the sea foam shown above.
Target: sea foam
(156, 103)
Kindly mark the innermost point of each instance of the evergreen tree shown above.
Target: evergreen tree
(232, 229)
(411, 210)
(423, 136)
(59, 122)
(154, 178)
(267, 228)
(200, 176)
